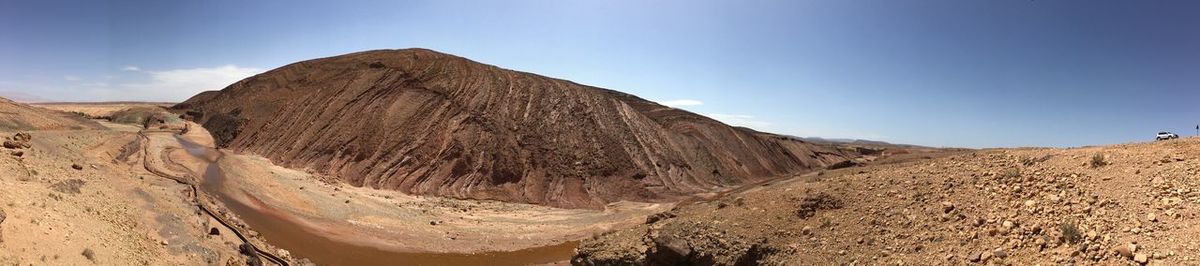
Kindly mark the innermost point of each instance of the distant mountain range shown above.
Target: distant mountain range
(856, 141)
(21, 97)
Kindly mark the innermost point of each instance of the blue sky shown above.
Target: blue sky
(931, 72)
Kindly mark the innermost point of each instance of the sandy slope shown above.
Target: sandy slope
(16, 116)
(98, 109)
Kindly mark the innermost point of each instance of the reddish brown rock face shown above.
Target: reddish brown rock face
(424, 122)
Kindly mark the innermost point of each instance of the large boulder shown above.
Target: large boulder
(19, 141)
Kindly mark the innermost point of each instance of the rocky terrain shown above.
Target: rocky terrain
(132, 194)
(429, 123)
(1114, 205)
(73, 192)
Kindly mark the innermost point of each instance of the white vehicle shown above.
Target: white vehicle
(1166, 136)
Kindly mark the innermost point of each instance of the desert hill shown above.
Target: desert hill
(16, 116)
(425, 122)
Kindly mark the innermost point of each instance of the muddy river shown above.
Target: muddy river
(282, 230)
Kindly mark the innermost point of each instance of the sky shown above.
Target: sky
(952, 73)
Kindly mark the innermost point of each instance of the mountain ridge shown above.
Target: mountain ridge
(429, 123)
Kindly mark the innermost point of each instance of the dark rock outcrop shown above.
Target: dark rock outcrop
(18, 141)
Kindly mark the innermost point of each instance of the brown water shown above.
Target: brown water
(280, 230)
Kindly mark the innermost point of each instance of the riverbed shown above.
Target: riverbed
(308, 218)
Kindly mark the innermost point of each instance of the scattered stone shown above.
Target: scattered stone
(17, 153)
(19, 141)
(248, 250)
(1030, 203)
(999, 253)
(947, 206)
(973, 257)
(8, 144)
(164, 242)
(1126, 251)
(89, 254)
(1141, 258)
(820, 201)
(1151, 217)
(76, 166)
(23, 137)
(214, 231)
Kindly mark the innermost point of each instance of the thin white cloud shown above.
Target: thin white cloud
(174, 85)
(742, 120)
(131, 68)
(71, 78)
(682, 102)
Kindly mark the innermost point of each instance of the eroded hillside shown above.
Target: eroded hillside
(429, 123)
